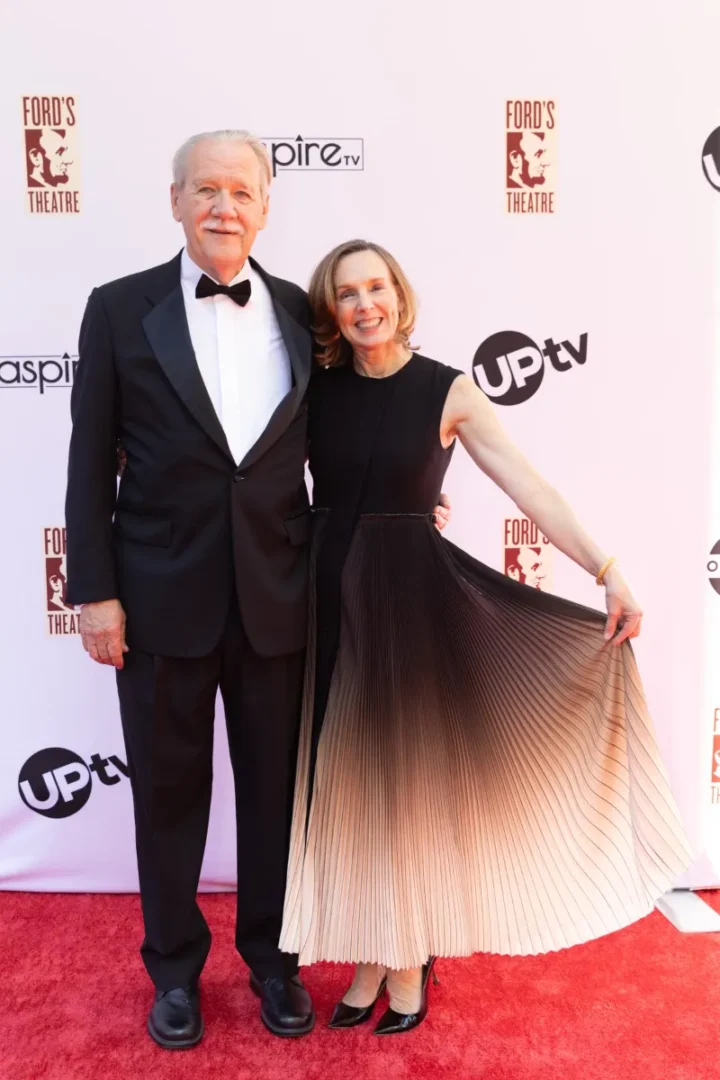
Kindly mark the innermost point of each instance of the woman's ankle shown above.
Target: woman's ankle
(365, 985)
(405, 990)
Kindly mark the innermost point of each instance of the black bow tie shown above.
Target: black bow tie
(240, 293)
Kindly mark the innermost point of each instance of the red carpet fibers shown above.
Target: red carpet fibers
(642, 1004)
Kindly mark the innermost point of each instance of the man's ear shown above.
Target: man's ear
(265, 211)
(174, 195)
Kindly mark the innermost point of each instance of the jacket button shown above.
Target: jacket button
(238, 476)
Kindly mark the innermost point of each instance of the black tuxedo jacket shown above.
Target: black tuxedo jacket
(187, 524)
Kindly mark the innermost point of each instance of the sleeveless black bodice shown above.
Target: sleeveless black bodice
(396, 422)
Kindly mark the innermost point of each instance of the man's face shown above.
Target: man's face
(220, 205)
(531, 564)
(57, 159)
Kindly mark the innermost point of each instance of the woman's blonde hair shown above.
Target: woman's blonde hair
(334, 349)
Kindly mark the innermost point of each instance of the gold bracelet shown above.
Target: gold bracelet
(604, 569)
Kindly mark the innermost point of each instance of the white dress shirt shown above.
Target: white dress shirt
(241, 355)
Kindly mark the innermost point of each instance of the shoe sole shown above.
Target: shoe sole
(175, 1044)
(282, 1033)
(349, 1024)
(397, 1030)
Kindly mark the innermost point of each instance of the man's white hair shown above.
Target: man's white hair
(240, 136)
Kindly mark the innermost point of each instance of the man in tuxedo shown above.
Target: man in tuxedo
(193, 575)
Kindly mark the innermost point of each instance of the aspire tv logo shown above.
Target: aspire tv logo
(509, 366)
(315, 154)
(38, 372)
(57, 783)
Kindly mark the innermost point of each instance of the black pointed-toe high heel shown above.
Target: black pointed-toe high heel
(347, 1016)
(394, 1023)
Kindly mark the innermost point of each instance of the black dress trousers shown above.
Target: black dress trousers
(167, 707)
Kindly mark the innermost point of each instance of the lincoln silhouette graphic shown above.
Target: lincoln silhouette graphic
(48, 157)
(528, 158)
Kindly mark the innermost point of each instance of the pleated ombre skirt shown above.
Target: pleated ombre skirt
(487, 777)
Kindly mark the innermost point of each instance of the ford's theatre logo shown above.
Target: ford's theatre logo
(52, 170)
(57, 783)
(527, 554)
(510, 366)
(36, 371)
(715, 775)
(62, 618)
(530, 156)
(711, 159)
(303, 153)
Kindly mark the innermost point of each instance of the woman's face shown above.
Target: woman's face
(366, 301)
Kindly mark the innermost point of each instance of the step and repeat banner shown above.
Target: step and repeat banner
(551, 187)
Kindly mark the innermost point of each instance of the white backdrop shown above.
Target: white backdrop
(630, 257)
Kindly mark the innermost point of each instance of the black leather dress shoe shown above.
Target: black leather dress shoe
(287, 1009)
(175, 1021)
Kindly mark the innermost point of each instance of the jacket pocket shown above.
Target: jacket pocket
(298, 528)
(142, 530)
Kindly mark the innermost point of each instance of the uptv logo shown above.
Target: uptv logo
(509, 366)
(57, 783)
(711, 159)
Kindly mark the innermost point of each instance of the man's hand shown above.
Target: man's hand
(102, 628)
(442, 513)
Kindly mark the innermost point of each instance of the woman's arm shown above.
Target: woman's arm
(469, 415)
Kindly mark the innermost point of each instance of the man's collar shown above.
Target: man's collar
(191, 272)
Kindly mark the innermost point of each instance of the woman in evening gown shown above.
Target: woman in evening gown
(477, 769)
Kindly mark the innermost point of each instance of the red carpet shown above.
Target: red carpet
(642, 1004)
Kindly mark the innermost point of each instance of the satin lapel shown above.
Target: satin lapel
(299, 346)
(167, 331)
